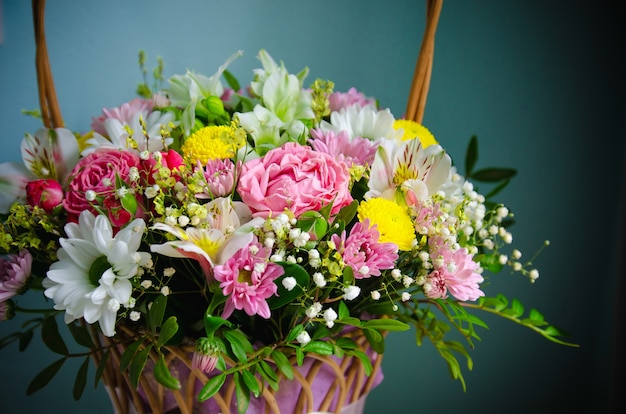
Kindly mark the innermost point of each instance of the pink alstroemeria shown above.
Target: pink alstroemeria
(407, 171)
(247, 280)
(14, 273)
(50, 153)
(13, 180)
(362, 251)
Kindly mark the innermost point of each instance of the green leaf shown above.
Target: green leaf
(375, 339)
(365, 361)
(283, 364)
(25, 339)
(51, 337)
(342, 311)
(101, 367)
(138, 364)
(319, 347)
(268, 374)
(163, 375)
(168, 330)
(242, 393)
(81, 379)
(156, 313)
(313, 221)
(471, 155)
(239, 344)
(212, 386)
(293, 334)
(348, 275)
(44, 376)
(81, 335)
(231, 80)
(284, 296)
(496, 190)
(299, 356)
(386, 325)
(212, 324)
(129, 354)
(347, 213)
(251, 382)
(493, 174)
(129, 203)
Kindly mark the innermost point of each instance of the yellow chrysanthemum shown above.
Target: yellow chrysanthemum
(394, 223)
(208, 143)
(412, 129)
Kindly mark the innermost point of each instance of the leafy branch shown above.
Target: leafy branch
(514, 311)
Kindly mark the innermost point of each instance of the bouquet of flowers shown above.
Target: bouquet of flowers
(258, 222)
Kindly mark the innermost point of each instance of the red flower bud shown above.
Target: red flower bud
(44, 193)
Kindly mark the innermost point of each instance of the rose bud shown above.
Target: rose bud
(44, 193)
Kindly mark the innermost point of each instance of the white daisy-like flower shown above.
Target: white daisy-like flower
(94, 268)
(363, 121)
(148, 139)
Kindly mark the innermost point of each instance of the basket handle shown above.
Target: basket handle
(50, 112)
(423, 68)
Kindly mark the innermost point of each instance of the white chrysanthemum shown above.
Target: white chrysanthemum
(363, 121)
(150, 139)
(94, 269)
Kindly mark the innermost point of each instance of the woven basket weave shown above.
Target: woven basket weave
(349, 382)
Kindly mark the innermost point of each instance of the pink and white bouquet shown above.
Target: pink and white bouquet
(274, 216)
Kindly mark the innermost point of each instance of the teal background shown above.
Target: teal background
(540, 83)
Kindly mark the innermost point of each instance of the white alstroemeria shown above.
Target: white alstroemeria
(92, 276)
(363, 121)
(50, 153)
(213, 241)
(408, 172)
(148, 137)
(186, 91)
(13, 180)
(284, 104)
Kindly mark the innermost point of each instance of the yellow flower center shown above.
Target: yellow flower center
(209, 246)
(412, 130)
(393, 222)
(208, 143)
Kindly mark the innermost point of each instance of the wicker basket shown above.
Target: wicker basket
(321, 384)
(346, 384)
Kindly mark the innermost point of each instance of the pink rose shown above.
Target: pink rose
(294, 177)
(44, 193)
(97, 172)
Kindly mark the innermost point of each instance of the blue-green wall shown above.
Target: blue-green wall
(540, 83)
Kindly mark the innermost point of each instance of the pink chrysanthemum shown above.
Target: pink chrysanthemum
(247, 280)
(123, 113)
(205, 355)
(455, 272)
(339, 100)
(362, 251)
(14, 273)
(359, 151)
